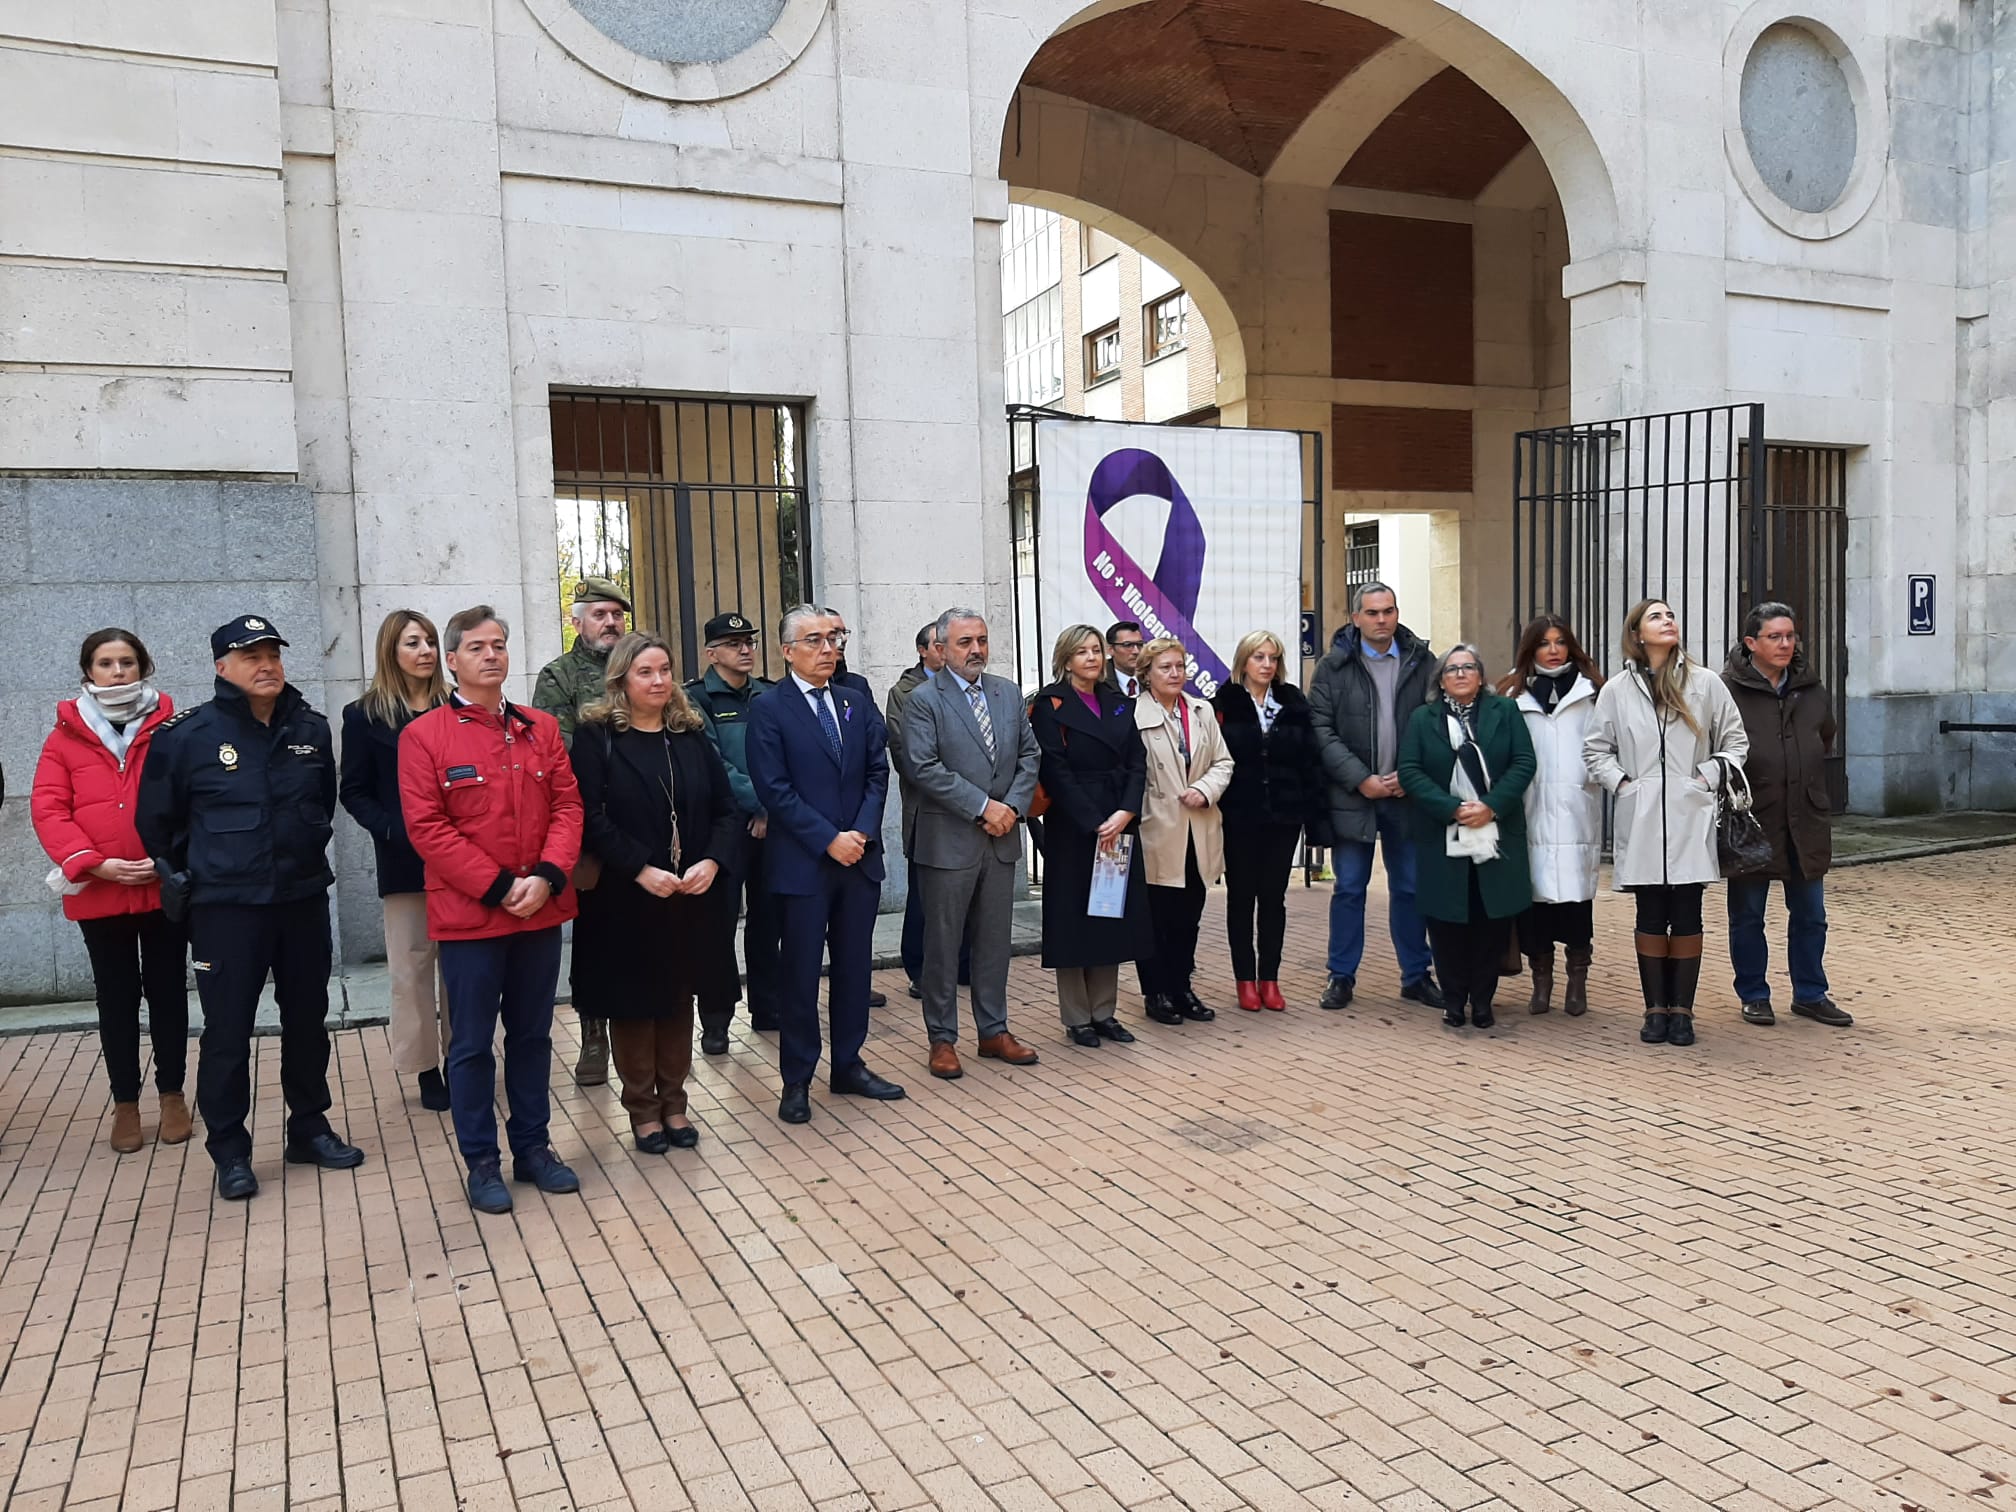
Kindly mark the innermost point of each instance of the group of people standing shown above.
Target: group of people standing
(656, 815)
(1487, 807)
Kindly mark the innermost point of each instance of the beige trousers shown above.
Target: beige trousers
(1087, 994)
(418, 1002)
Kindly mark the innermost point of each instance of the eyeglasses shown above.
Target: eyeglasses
(1128, 645)
(838, 641)
(1462, 669)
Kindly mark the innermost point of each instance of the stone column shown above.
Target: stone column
(420, 233)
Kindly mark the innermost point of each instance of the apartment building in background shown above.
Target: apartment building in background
(1093, 327)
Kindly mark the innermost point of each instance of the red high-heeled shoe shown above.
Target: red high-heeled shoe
(1270, 997)
(1249, 996)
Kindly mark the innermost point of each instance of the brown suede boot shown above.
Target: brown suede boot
(1543, 981)
(591, 1069)
(175, 1120)
(1575, 1000)
(126, 1127)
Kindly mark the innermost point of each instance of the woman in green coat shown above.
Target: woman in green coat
(1465, 762)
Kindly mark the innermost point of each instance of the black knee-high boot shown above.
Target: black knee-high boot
(1652, 982)
(1683, 975)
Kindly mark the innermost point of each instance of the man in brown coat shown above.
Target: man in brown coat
(1790, 720)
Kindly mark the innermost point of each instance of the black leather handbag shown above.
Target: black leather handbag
(1741, 846)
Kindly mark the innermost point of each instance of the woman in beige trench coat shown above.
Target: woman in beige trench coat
(1182, 830)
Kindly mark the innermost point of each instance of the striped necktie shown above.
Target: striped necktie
(977, 696)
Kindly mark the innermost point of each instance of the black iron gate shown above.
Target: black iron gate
(695, 505)
(1796, 552)
(1670, 506)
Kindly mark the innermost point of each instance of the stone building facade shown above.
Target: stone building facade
(291, 288)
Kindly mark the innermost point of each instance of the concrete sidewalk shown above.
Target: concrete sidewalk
(362, 994)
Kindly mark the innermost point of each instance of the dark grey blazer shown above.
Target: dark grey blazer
(953, 775)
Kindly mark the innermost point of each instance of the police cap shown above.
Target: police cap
(599, 590)
(722, 626)
(246, 630)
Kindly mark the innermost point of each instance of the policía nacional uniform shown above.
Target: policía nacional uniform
(238, 814)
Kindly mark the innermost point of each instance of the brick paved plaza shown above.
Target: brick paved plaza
(1305, 1260)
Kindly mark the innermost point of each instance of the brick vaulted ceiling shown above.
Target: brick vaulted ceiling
(1233, 76)
(1448, 138)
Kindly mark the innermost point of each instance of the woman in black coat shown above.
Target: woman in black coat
(659, 816)
(1278, 791)
(406, 682)
(1093, 773)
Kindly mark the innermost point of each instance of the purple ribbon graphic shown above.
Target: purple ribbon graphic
(1165, 601)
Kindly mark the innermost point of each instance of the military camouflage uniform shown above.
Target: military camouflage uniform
(568, 684)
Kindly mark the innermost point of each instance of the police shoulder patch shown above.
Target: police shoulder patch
(177, 717)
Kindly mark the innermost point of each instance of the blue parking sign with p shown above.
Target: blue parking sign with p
(1924, 604)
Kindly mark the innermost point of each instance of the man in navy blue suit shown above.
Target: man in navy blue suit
(818, 759)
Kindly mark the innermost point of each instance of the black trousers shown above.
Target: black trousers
(1258, 859)
(1175, 913)
(136, 955)
(234, 948)
(1467, 955)
(1672, 910)
(761, 929)
(1544, 925)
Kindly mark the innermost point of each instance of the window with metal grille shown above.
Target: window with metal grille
(1361, 553)
(696, 506)
(1102, 354)
(1165, 326)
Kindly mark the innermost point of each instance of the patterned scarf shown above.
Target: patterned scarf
(1549, 685)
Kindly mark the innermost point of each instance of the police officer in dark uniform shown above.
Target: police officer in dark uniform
(722, 698)
(236, 805)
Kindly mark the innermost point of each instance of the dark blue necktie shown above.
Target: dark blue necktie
(826, 721)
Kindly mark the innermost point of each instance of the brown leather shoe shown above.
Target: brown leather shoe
(1005, 1047)
(945, 1061)
(126, 1127)
(175, 1121)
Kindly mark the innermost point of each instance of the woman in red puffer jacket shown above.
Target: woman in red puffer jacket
(86, 787)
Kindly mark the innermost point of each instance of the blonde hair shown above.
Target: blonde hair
(613, 708)
(1667, 686)
(1156, 647)
(384, 698)
(1252, 641)
(1068, 645)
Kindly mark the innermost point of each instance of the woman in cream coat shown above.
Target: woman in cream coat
(1182, 830)
(1664, 732)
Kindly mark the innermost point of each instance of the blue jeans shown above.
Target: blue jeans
(1351, 860)
(1805, 938)
(512, 978)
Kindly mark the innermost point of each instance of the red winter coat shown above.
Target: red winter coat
(82, 807)
(487, 801)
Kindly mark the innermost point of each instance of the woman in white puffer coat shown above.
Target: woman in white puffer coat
(1662, 740)
(1555, 684)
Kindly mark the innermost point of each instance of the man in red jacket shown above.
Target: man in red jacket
(492, 808)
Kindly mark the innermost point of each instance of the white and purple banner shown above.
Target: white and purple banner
(1195, 532)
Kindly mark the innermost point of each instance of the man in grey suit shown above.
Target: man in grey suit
(972, 759)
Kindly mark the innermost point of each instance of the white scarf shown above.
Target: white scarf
(129, 706)
(1480, 844)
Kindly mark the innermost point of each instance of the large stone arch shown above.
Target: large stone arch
(1187, 209)
(1228, 336)
(1516, 59)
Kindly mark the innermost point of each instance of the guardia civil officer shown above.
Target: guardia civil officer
(236, 807)
(721, 697)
